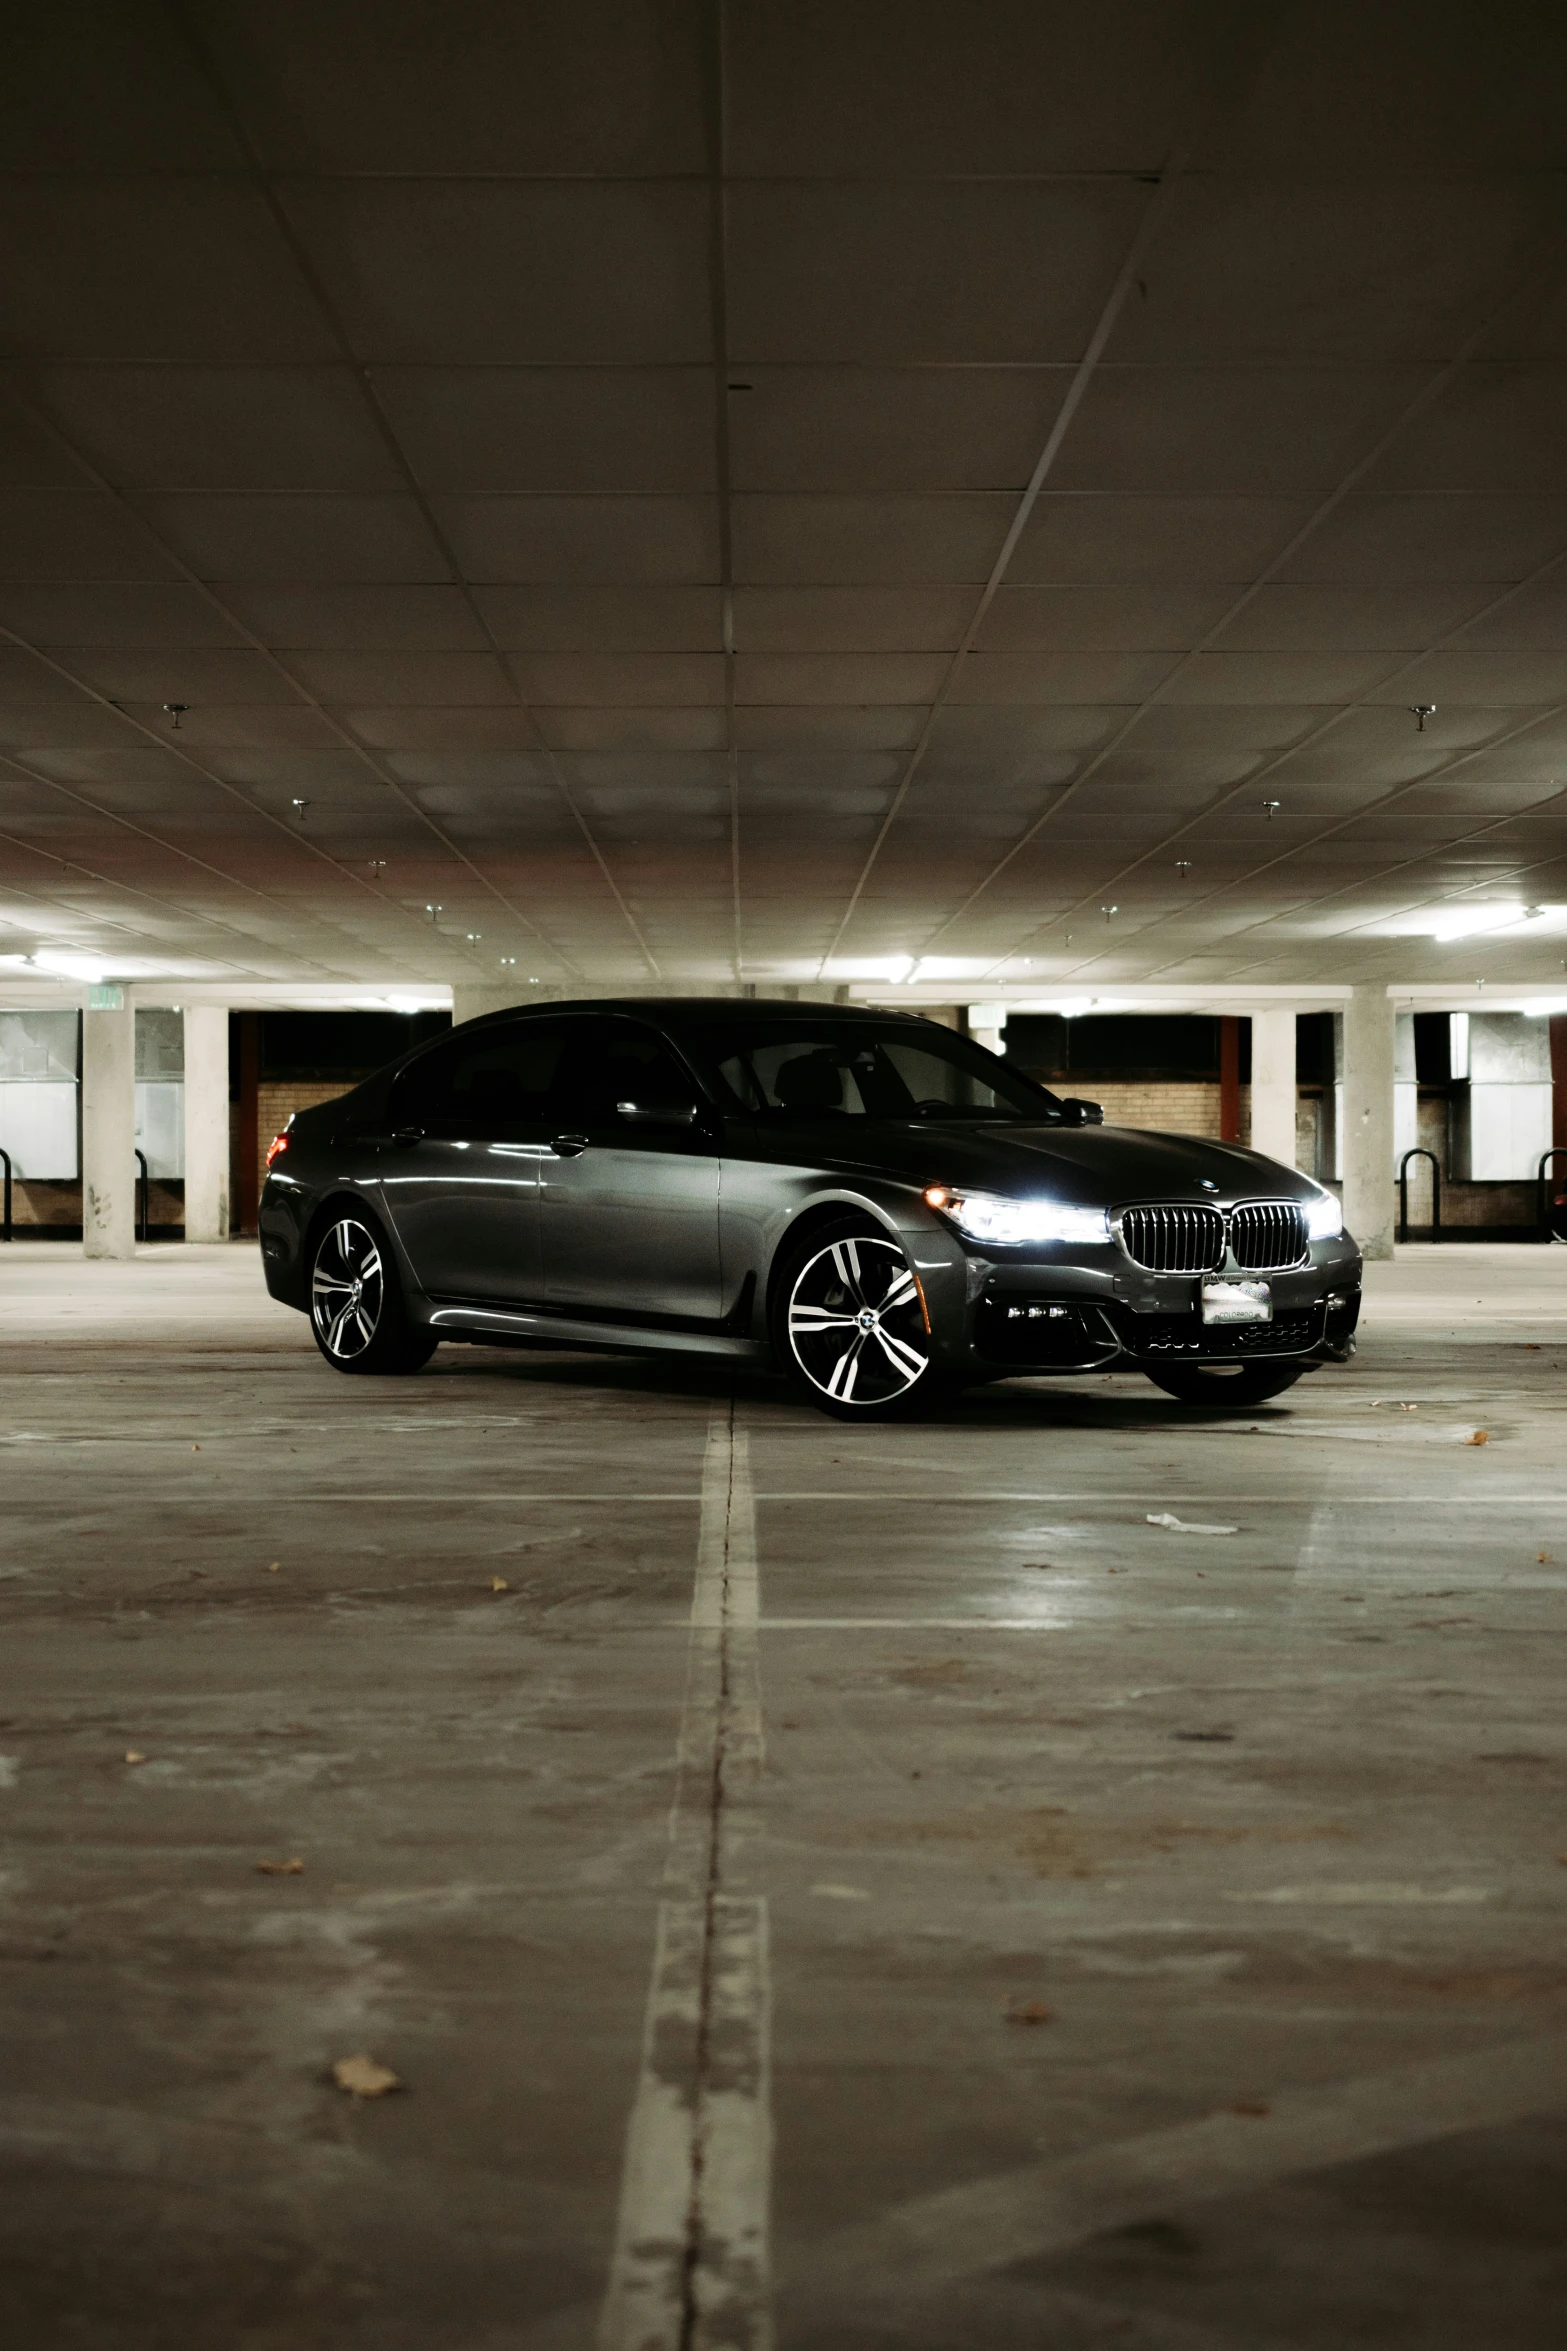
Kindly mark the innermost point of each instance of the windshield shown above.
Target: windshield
(870, 1069)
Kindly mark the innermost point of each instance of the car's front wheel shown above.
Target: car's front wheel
(1225, 1387)
(850, 1324)
(357, 1310)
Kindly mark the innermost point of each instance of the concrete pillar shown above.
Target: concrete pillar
(1368, 1120)
(109, 1130)
(469, 1002)
(1273, 1085)
(206, 1122)
(987, 1025)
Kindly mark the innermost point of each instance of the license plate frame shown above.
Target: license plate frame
(1236, 1304)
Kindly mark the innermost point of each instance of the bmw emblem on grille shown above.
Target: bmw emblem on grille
(1207, 1184)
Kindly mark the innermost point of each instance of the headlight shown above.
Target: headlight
(1324, 1218)
(989, 1216)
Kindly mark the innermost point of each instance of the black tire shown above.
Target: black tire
(850, 1325)
(358, 1316)
(1224, 1387)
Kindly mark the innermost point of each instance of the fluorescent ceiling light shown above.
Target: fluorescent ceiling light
(1467, 922)
(57, 965)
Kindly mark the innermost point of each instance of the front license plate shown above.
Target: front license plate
(1237, 1302)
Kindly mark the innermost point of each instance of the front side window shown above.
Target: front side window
(623, 1073)
(843, 1069)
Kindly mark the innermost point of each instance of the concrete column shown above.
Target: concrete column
(206, 1122)
(1368, 1120)
(469, 1002)
(987, 1025)
(1273, 1085)
(109, 1131)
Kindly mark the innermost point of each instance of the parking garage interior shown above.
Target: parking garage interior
(1051, 520)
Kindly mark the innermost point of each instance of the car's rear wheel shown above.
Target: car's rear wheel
(358, 1314)
(850, 1324)
(1225, 1387)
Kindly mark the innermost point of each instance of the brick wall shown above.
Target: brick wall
(1179, 1107)
(276, 1103)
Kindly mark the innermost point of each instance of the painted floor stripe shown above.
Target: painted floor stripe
(690, 2269)
(1039, 2209)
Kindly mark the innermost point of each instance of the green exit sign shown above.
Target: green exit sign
(106, 999)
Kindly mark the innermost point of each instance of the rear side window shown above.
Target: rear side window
(483, 1081)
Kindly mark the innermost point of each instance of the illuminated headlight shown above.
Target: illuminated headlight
(1009, 1224)
(1324, 1218)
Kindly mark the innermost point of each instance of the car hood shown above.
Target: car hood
(1098, 1166)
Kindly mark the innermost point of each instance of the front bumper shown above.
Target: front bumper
(1038, 1318)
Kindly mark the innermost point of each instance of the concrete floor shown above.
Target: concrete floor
(1162, 1934)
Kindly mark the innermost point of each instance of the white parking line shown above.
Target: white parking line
(913, 2249)
(690, 2269)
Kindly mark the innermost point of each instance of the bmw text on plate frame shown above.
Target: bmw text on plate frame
(868, 1199)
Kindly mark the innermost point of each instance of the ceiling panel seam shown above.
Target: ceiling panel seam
(266, 183)
(43, 422)
(14, 890)
(113, 816)
(1271, 766)
(1527, 278)
(165, 743)
(715, 62)
(1246, 36)
(1553, 798)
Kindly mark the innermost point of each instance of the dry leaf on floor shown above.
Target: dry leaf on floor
(195, 1448)
(273, 1565)
(1480, 1437)
(280, 1869)
(1249, 2106)
(1182, 1526)
(498, 1583)
(1030, 2012)
(1542, 1558)
(134, 1755)
(363, 2077)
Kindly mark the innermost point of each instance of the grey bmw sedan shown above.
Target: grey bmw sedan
(874, 1202)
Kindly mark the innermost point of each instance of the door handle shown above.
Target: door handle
(569, 1146)
(406, 1137)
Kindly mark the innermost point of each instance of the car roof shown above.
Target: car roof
(676, 1009)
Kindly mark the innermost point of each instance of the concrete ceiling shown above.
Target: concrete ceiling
(697, 494)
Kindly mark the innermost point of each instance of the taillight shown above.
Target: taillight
(279, 1143)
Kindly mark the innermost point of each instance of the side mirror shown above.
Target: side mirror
(658, 1114)
(1077, 1113)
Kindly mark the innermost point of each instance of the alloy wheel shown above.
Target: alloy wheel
(856, 1323)
(347, 1290)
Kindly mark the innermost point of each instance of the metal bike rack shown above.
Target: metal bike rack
(1403, 1193)
(5, 1226)
(143, 1229)
(1543, 1183)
